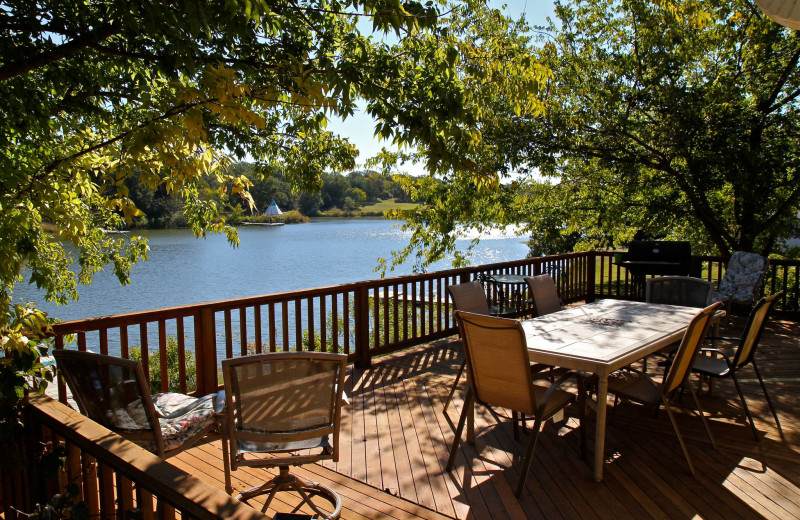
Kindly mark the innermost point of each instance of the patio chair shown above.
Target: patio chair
(743, 281)
(637, 386)
(287, 405)
(499, 375)
(470, 297)
(679, 290)
(719, 365)
(505, 304)
(544, 294)
(114, 393)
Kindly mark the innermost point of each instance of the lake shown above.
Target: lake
(184, 270)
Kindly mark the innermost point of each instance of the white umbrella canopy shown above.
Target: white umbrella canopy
(273, 209)
(785, 12)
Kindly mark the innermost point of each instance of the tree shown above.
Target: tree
(679, 119)
(357, 197)
(334, 187)
(94, 93)
(374, 184)
(495, 62)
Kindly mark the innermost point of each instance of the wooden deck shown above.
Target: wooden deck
(396, 439)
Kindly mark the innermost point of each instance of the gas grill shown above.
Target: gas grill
(658, 257)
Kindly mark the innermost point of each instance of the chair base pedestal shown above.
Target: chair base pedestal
(285, 481)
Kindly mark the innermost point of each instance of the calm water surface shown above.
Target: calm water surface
(184, 270)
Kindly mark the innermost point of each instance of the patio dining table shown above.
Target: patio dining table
(602, 337)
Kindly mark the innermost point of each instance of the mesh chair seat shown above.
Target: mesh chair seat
(558, 399)
(630, 385)
(283, 447)
(714, 366)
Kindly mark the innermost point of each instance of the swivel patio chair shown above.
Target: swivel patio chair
(544, 294)
(500, 375)
(743, 281)
(114, 393)
(287, 405)
(637, 386)
(720, 365)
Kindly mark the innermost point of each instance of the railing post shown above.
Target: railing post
(34, 491)
(205, 351)
(361, 311)
(591, 275)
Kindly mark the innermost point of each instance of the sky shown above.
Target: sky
(360, 128)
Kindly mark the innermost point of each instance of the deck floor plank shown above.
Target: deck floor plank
(395, 442)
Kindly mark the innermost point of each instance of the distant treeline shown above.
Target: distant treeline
(340, 195)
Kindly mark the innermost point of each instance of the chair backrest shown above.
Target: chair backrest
(280, 399)
(469, 297)
(752, 331)
(693, 338)
(497, 361)
(544, 294)
(679, 290)
(744, 276)
(112, 392)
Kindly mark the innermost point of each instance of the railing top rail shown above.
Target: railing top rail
(118, 320)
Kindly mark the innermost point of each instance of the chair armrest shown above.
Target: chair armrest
(717, 351)
(553, 387)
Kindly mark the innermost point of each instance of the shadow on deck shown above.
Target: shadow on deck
(395, 443)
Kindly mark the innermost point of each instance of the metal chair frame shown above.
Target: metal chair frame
(248, 427)
(724, 366)
(75, 365)
(508, 382)
(643, 389)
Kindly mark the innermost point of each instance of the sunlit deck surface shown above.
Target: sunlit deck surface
(395, 443)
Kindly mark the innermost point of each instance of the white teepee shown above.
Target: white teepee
(273, 209)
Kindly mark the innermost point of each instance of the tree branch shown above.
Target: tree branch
(72, 47)
(768, 105)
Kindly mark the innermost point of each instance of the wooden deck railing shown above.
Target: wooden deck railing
(613, 281)
(362, 319)
(115, 478)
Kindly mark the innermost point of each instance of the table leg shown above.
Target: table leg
(600, 427)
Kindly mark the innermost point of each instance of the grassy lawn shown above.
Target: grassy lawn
(387, 205)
